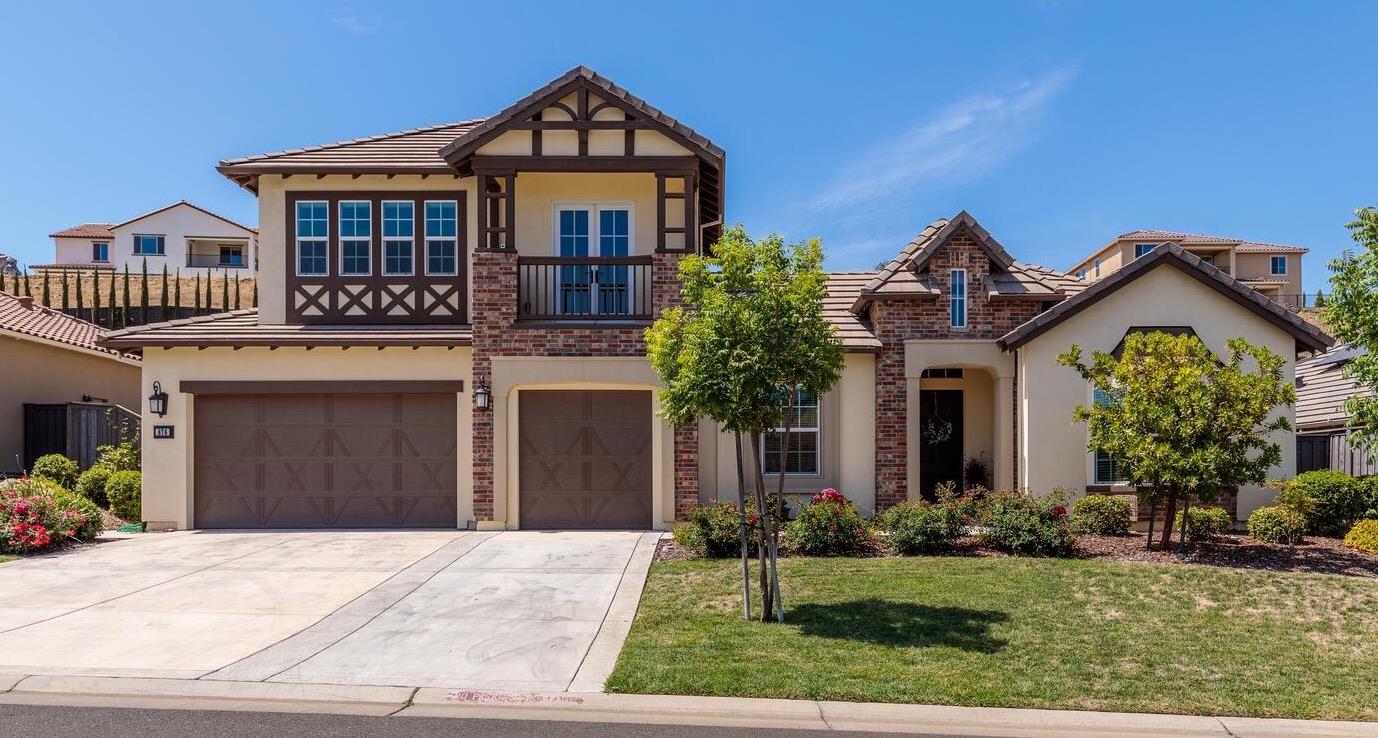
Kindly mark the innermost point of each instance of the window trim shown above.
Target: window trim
(366, 240)
(162, 244)
(593, 207)
(1143, 249)
(103, 246)
(1097, 268)
(816, 429)
(296, 230)
(1272, 265)
(220, 255)
(954, 299)
(385, 240)
(426, 239)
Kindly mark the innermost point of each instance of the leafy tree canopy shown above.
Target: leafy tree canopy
(1351, 311)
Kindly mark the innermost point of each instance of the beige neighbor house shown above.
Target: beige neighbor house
(450, 329)
(1271, 268)
(178, 236)
(51, 370)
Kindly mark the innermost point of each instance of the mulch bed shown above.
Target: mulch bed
(1315, 555)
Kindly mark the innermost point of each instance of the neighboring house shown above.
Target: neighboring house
(1272, 269)
(450, 325)
(179, 236)
(1323, 430)
(51, 362)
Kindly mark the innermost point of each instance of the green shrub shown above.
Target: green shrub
(1206, 522)
(829, 526)
(715, 530)
(80, 518)
(1277, 524)
(123, 490)
(921, 527)
(91, 485)
(1027, 525)
(1363, 536)
(57, 468)
(121, 457)
(35, 513)
(1340, 500)
(1102, 515)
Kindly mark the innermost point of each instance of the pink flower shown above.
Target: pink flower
(829, 495)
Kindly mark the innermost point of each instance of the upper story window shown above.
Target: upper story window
(441, 234)
(356, 229)
(1143, 248)
(957, 299)
(1096, 267)
(399, 230)
(1278, 265)
(100, 251)
(149, 245)
(602, 230)
(802, 456)
(1081, 274)
(313, 230)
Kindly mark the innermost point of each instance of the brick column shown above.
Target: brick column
(493, 310)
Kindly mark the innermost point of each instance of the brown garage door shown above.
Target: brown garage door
(585, 459)
(323, 461)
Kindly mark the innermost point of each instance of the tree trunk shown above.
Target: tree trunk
(778, 509)
(1171, 514)
(741, 520)
(1186, 527)
(1152, 518)
(763, 531)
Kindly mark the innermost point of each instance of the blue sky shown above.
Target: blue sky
(1057, 123)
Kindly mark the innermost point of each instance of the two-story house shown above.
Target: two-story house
(450, 333)
(177, 236)
(1271, 268)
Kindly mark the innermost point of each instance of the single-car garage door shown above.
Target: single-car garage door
(325, 460)
(585, 459)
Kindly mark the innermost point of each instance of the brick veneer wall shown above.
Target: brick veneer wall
(497, 333)
(1229, 501)
(896, 321)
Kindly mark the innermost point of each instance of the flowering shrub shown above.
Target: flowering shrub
(1026, 525)
(715, 530)
(1363, 536)
(829, 526)
(58, 469)
(922, 527)
(36, 513)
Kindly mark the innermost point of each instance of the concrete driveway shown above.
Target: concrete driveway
(511, 610)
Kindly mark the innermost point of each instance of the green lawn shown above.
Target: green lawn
(1009, 632)
(4, 558)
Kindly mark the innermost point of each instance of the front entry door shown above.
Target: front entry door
(940, 440)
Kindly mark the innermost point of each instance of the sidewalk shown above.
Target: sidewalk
(643, 709)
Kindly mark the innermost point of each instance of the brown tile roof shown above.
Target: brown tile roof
(1033, 282)
(86, 230)
(20, 315)
(843, 290)
(477, 133)
(415, 150)
(1193, 239)
(1322, 389)
(1308, 336)
(241, 328)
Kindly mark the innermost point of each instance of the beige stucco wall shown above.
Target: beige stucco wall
(566, 143)
(538, 193)
(847, 424)
(175, 224)
(512, 375)
(1052, 449)
(1260, 266)
(167, 463)
(36, 371)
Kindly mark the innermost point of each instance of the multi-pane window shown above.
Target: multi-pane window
(313, 230)
(232, 256)
(399, 225)
(1107, 468)
(441, 237)
(574, 237)
(356, 229)
(100, 252)
(957, 299)
(1097, 268)
(1143, 248)
(1279, 265)
(802, 455)
(614, 239)
(149, 245)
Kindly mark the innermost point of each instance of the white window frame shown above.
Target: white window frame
(593, 208)
(1272, 262)
(954, 299)
(385, 239)
(1097, 268)
(104, 246)
(296, 227)
(367, 241)
(426, 238)
(162, 242)
(816, 429)
(1143, 249)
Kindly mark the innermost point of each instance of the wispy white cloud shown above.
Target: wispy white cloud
(359, 25)
(960, 143)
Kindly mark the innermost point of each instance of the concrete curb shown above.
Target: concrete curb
(642, 709)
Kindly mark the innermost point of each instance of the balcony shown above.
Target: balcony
(584, 288)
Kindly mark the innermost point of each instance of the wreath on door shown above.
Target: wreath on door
(937, 429)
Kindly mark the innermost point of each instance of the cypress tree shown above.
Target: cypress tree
(209, 309)
(28, 288)
(81, 301)
(196, 293)
(177, 294)
(143, 293)
(255, 298)
(125, 312)
(162, 300)
(66, 302)
(47, 291)
(236, 293)
(225, 290)
(111, 302)
(95, 297)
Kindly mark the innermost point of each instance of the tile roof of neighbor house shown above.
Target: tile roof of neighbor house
(21, 316)
(191, 205)
(241, 328)
(1197, 238)
(416, 149)
(1322, 389)
(843, 290)
(86, 230)
(1307, 335)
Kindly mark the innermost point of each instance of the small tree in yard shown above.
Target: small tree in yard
(749, 336)
(1352, 313)
(1182, 422)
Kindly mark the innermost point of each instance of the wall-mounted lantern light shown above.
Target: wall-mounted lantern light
(483, 397)
(157, 402)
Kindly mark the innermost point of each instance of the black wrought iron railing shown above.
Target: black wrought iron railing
(584, 288)
(216, 261)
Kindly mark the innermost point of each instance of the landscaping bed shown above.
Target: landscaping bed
(1080, 633)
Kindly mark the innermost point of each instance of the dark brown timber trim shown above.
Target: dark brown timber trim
(327, 387)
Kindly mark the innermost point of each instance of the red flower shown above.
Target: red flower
(829, 495)
(1059, 511)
